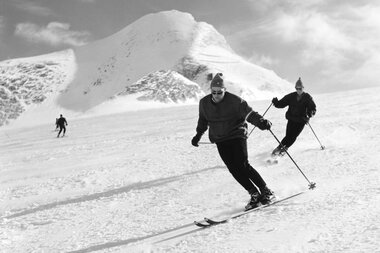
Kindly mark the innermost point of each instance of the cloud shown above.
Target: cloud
(331, 40)
(33, 8)
(320, 38)
(263, 60)
(2, 31)
(1, 24)
(344, 41)
(54, 34)
(3, 49)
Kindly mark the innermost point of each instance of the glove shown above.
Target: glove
(306, 119)
(195, 140)
(264, 124)
(308, 116)
(311, 114)
(275, 100)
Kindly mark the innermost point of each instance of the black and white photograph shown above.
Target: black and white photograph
(189, 126)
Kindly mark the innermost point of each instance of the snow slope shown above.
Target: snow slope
(131, 182)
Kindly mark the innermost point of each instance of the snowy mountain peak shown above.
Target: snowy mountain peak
(168, 46)
(175, 26)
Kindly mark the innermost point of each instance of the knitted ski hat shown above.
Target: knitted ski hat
(217, 81)
(299, 83)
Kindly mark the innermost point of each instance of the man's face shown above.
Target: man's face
(299, 90)
(218, 93)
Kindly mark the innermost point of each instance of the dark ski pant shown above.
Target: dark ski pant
(60, 130)
(235, 156)
(293, 129)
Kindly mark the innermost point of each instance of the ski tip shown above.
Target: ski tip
(199, 224)
(208, 220)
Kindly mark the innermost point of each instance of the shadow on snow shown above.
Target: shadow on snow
(160, 237)
(96, 196)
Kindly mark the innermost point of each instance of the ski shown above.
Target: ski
(211, 222)
(200, 224)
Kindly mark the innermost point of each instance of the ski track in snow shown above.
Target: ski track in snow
(132, 182)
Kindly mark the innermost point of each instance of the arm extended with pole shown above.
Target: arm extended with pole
(263, 116)
(311, 184)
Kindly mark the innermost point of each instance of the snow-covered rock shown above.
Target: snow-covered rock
(29, 81)
(164, 86)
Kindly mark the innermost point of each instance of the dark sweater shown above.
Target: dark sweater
(299, 109)
(61, 122)
(227, 119)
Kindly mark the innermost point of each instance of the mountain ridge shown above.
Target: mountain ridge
(85, 77)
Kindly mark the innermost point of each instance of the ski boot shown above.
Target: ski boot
(276, 151)
(283, 150)
(279, 151)
(267, 196)
(254, 201)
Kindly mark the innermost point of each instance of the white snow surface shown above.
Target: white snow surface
(132, 182)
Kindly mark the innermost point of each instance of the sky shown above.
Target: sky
(332, 45)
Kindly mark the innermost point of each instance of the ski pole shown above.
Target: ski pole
(204, 142)
(263, 116)
(311, 184)
(322, 147)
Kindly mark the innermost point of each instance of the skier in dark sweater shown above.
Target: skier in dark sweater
(301, 109)
(225, 115)
(62, 123)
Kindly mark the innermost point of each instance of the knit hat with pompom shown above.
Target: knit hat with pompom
(299, 83)
(217, 81)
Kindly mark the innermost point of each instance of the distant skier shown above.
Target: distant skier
(62, 123)
(225, 115)
(301, 109)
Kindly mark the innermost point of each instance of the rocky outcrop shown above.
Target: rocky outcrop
(164, 86)
(25, 84)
